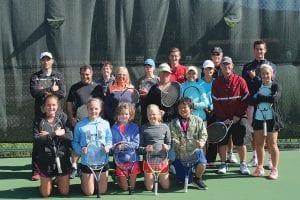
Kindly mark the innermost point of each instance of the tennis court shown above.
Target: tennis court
(14, 184)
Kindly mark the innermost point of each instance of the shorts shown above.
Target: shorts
(238, 131)
(134, 171)
(85, 169)
(181, 170)
(258, 125)
(148, 170)
(49, 169)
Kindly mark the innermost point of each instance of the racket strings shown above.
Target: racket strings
(170, 95)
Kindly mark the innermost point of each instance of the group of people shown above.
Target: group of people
(94, 113)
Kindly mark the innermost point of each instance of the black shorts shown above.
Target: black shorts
(238, 131)
(258, 125)
(49, 169)
(85, 169)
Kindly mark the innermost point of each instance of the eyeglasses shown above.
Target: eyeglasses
(215, 54)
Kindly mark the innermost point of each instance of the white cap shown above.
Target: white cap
(164, 67)
(192, 68)
(208, 63)
(48, 54)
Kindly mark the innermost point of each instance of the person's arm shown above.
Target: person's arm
(60, 82)
(135, 135)
(241, 109)
(76, 141)
(167, 139)
(35, 89)
(202, 133)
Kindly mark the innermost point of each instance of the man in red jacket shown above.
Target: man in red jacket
(178, 71)
(230, 99)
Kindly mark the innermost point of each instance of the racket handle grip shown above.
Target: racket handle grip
(155, 188)
(186, 182)
(57, 160)
(265, 128)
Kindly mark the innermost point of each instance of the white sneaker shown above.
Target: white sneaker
(244, 169)
(172, 169)
(252, 162)
(231, 158)
(223, 168)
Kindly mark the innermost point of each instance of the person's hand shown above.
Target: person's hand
(73, 121)
(200, 144)
(60, 131)
(252, 74)
(43, 133)
(149, 148)
(165, 147)
(106, 149)
(143, 92)
(182, 142)
(227, 121)
(55, 87)
(84, 150)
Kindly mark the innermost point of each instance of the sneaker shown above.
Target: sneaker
(200, 184)
(223, 168)
(35, 177)
(172, 169)
(269, 163)
(258, 172)
(252, 162)
(244, 169)
(231, 158)
(274, 174)
(73, 173)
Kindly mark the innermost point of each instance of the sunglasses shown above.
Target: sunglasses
(215, 54)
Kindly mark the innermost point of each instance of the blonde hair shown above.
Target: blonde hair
(266, 67)
(154, 107)
(124, 105)
(125, 70)
(98, 101)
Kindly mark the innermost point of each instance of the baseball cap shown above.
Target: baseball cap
(226, 60)
(164, 67)
(207, 64)
(216, 50)
(192, 68)
(149, 62)
(48, 54)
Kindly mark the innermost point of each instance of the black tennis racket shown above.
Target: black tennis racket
(157, 160)
(96, 159)
(82, 112)
(147, 83)
(125, 158)
(217, 131)
(171, 94)
(130, 95)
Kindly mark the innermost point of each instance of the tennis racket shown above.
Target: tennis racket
(171, 94)
(125, 157)
(82, 112)
(96, 159)
(130, 95)
(263, 113)
(188, 159)
(157, 160)
(193, 93)
(47, 82)
(147, 83)
(217, 131)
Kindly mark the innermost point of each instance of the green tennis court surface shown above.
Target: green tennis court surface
(15, 184)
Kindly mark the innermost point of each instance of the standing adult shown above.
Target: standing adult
(77, 99)
(42, 83)
(251, 73)
(111, 102)
(107, 79)
(178, 71)
(230, 99)
(154, 95)
(145, 83)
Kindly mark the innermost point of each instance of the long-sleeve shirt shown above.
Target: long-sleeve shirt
(39, 92)
(91, 132)
(230, 97)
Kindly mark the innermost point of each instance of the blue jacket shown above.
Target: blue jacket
(87, 131)
(131, 135)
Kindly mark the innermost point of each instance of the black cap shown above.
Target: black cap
(216, 50)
